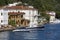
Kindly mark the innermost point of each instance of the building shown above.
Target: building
(3, 17)
(31, 13)
(52, 15)
(29, 18)
(17, 17)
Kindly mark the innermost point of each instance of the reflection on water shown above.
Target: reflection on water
(30, 35)
(4, 35)
(34, 35)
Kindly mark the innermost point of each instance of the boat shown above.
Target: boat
(31, 27)
(38, 27)
(21, 30)
(28, 29)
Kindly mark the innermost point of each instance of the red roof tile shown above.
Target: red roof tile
(16, 13)
(20, 7)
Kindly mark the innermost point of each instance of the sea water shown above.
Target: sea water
(50, 32)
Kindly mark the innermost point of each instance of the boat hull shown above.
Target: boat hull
(28, 29)
(34, 27)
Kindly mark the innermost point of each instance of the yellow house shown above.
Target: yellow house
(18, 18)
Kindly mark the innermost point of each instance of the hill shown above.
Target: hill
(41, 5)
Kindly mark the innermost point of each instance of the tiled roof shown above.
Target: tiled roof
(51, 13)
(16, 13)
(20, 7)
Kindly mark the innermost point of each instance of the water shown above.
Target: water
(50, 32)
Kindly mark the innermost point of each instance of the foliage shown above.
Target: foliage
(2, 2)
(12, 22)
(45, 16)
(41, 5)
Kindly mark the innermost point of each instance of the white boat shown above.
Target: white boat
(21, 30)
(31, 27)
(28, 29)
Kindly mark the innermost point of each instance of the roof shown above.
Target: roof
(52, 13)
(16, 13)
(20, 7)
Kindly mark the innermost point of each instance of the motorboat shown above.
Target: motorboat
(27, 29)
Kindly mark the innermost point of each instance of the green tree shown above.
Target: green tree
(12, 22)
(41, 5)
(2, 2)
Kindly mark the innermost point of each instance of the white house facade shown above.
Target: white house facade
(52, 16)
(30, 13)
(3, 17)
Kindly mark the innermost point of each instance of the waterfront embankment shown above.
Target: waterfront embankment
(10, 28)
(7, 28)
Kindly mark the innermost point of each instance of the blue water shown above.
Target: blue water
(50, 32)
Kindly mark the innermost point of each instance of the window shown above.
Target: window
(21, 16)
(1, 13)
(9, 17)
(21, 22)
(1, 21)
(18, 11)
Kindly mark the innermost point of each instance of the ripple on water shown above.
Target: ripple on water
(4, 35)
(51, 32)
